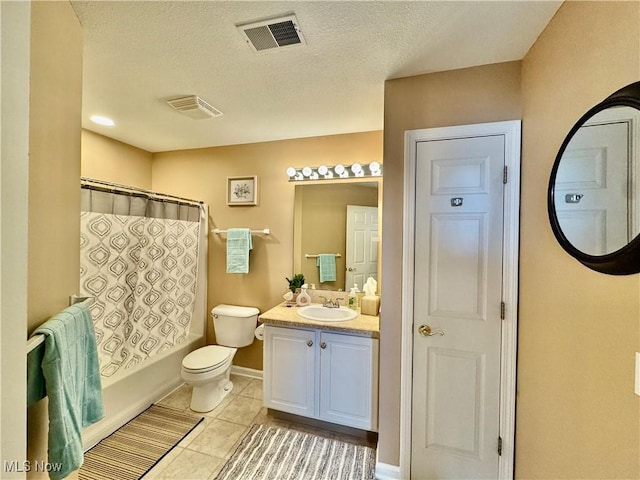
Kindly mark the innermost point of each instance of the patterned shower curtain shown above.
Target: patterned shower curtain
(139, 260)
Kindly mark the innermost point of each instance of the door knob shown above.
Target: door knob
(425, 331)
(309, 343)
(351, 269)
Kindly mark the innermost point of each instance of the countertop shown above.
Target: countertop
(284, 316)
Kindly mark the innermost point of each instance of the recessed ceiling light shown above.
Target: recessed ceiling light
(100, 120)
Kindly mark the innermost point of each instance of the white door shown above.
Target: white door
(457, 292)
(362, 245)
(591, 188)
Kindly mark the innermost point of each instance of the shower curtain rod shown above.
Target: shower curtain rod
(110, 187)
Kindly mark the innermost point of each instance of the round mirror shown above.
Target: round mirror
(594, 190)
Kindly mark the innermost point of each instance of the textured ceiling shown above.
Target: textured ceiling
(138, 54)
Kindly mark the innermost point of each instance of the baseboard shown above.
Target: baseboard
(246, 372)
(384, 471)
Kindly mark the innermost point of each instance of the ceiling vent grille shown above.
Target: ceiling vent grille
(194, 107)
(273, 34)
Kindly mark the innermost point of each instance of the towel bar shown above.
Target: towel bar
(308, 255)
(37, 339)
(264, 231)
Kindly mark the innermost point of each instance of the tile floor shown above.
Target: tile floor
(201, 454)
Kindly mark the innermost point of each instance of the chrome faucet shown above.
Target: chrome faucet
(331, 303)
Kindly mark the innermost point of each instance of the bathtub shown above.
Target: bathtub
(130, 392)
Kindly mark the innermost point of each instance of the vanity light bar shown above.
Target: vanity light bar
(323, 172)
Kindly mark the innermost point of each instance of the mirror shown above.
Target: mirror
(593, 197)
(337, 218)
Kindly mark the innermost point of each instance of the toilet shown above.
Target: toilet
(207, 369)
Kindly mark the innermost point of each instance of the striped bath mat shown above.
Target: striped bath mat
(276, 453)
(136, 447)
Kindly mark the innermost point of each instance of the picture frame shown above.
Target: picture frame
(242, 191)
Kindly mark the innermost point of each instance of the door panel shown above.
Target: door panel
(362, 245)
(467, 368)
(458, 290)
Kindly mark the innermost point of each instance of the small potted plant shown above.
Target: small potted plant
(296, 282)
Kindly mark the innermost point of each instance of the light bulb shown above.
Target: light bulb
(339, 169)
(291, 172)
(306, 171)
(374, 167)
(322, 170)
(356, 168)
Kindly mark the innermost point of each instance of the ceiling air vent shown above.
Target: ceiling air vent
(273, 34)
(194, 107)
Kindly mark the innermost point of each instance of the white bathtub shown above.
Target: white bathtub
(128, 393)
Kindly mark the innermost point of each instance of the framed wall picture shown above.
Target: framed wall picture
(242, 190)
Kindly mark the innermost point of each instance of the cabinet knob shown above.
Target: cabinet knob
(323, 345)
(309, 343)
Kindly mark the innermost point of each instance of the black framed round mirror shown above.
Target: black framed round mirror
(593, 198)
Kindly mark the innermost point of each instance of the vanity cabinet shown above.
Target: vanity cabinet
(324, 375)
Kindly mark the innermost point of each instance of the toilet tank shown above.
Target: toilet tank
(234, 325)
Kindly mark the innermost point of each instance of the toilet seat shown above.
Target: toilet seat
(205, 359)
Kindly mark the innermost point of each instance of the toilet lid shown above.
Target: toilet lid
(206, 357)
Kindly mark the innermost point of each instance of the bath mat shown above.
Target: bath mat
(137, 446)
(277, 453)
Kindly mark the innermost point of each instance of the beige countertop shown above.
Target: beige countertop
(362, 325)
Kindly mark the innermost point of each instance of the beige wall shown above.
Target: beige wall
(54, 170)
(202, 174)
(113, 161)
(474, 95)
(321, 226)
(577, 416)
(54, 158)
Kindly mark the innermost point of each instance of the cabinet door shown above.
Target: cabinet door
(349, 380)
(289, 370)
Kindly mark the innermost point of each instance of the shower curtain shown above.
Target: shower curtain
(138, 258)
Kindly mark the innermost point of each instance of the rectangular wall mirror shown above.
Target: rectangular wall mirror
(338, 218)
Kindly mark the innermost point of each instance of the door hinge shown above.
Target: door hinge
(499, 446)
(503, 307)
(504, 175)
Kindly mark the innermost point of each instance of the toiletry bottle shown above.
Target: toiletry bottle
(303, 297)
(352, 299)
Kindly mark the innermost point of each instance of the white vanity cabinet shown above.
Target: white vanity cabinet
(324, 375)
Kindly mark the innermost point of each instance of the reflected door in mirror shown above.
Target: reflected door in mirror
(361, 245)
(591, 189)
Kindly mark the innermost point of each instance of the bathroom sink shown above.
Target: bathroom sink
(325, 314)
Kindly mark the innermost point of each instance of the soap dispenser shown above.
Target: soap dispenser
(303, 297)
(352, 299)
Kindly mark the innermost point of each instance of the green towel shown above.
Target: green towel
(72, 378)
(238, 246)
(327, 264)
(36, 389)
